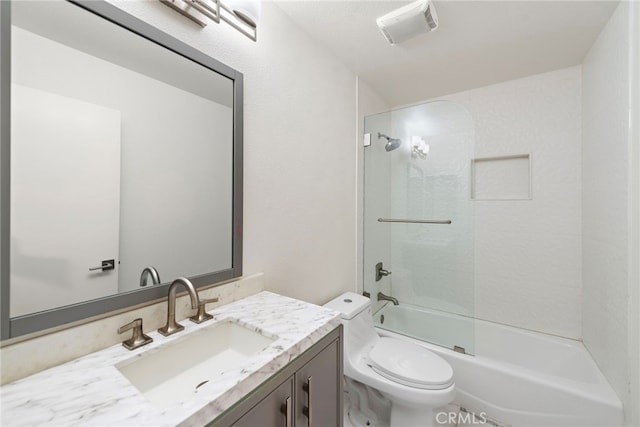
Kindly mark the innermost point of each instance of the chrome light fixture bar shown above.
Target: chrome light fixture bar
(239, 21)
(200, 11)
(210, 10)
(186, 9)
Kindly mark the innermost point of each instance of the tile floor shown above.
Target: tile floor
(448, 416)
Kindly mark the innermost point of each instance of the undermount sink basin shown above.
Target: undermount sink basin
(177, 371)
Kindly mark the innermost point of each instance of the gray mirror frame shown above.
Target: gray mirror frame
(18, 326)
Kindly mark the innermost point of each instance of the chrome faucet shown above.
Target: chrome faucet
(383, 297)
(172, 326)
(149, 272)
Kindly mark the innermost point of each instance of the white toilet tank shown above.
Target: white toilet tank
(349, 304)
(359, 332)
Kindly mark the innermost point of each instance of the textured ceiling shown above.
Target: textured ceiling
(477, 43)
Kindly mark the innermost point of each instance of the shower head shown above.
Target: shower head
(392, 143)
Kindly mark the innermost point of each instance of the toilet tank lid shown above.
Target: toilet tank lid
(349, 304)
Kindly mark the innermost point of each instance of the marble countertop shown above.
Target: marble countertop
(91, 391)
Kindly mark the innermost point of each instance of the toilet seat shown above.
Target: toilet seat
(410, 364)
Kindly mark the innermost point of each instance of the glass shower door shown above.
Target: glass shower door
(418, 223)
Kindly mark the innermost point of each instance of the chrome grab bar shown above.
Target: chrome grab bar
(416, 221)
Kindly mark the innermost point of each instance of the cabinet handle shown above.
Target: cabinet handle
(286, 410)
(307, 409)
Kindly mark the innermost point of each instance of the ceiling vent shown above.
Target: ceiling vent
(408, 21)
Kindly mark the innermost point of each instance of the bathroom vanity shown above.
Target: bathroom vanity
(306, 392)
(290, 376)
(170, 118)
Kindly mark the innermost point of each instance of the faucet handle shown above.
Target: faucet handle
(202, 315)
(138, 339)
(381, 272)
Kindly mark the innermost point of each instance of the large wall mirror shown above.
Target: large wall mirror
(121, 164)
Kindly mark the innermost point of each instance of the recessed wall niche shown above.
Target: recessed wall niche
(501, 178)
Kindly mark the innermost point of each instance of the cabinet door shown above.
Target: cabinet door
(275, 410)
(318, 390)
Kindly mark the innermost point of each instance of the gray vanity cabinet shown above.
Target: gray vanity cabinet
(305, 393)
(273, 410)
(316, 384)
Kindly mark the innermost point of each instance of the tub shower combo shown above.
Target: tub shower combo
(418, 260)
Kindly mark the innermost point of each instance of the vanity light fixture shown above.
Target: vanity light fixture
(243, 15)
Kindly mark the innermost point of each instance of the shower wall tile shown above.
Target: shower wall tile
(605, 203)
(545, 311)
(501, 178)
(528, 252)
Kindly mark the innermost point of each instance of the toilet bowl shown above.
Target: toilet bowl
(413, 378)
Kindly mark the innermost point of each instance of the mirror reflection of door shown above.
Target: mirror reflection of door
(175, 169)
(69, 151)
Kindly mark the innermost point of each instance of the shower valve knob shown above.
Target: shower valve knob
(381, 272)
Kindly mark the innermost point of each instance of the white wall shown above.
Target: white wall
(605, 204)
(300, 175)
(527, 252)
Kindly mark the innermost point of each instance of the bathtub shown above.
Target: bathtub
(515, 377)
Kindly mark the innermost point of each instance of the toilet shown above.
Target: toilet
(414, 379)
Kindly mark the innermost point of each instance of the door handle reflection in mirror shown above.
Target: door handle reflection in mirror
(107, 264)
